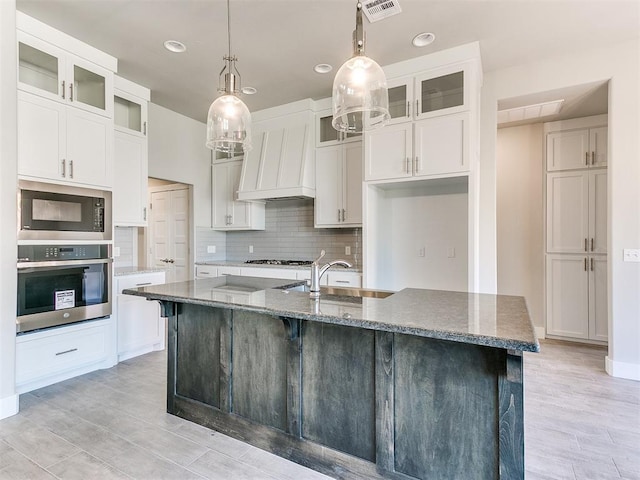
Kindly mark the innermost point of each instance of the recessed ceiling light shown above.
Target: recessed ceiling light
(175, 46)
(249, 90)
(322, 68)
(423, 39)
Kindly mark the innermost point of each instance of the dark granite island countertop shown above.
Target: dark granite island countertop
(493, 320)
(420, 384)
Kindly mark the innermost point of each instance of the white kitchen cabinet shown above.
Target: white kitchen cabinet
(229, 213)
(577, 149)
(281, 162)
(577, 296)
(131, 159)
(338, 201)
(50, 356)
(577, 211)
(141, 329)
(326, 135)
(56, 74)
(206, 271)
(337, 278)
(222, 271)
(437, 146)
(443, 91)
(63, 144)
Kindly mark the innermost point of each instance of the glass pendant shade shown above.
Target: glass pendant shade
(360, 97)
(229, 125)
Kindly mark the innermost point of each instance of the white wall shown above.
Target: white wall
(620, 65)
(520, 215)
(177, 152)
(8, 182)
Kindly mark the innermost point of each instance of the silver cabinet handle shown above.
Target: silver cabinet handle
(417, 107)
(586, 268)
(417, 166)
(64, 168)
(67, 351)
(407, 167)
(144, 128)
(342, 281)
(586, 248)
(142, 284)
(71, 92)
(338, 215)
(592, 264)
(64, 86)
(230, 219)
(70, 168)
(343, 214)
(593, 158)
(592, 244)
(586, 158)
(408, 106)
(144, 214)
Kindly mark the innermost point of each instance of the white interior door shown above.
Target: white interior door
(169, 240)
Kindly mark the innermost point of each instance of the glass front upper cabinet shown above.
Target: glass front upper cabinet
(50, 72)
(400, 99)
(129, 113)
(442, 91)
(327, 135)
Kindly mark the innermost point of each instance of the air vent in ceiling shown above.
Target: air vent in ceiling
(529, 112)
(378, 9)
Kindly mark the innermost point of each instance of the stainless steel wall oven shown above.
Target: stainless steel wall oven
(60, 284)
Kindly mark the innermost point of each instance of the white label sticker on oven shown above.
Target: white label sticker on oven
(65, 299)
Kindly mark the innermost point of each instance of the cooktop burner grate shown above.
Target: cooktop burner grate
(280, 262)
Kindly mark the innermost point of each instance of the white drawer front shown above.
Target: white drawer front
(139, 280)
(206, 271)
(228, 271)
(344, 279)
(269, 272)
(55, 353)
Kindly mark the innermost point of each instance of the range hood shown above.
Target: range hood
(281, 164)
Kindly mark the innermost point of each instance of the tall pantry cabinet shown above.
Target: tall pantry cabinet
(576, 231)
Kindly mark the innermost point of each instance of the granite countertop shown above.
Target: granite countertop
(232, 263)
(499, 321)
(121, 271)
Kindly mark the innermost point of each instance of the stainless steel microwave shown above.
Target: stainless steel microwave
(49, 211)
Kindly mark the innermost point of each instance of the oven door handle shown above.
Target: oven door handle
(63, 263)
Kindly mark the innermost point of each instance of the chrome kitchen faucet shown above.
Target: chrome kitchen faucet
(317, 271)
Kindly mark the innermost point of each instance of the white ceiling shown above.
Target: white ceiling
(278, 42)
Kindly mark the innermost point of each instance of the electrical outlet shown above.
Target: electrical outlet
(211, 249)
(347, 250)
(631, 255)
(422, 251)
(451, 252)
(250, 248)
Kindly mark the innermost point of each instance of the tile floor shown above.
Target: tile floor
(111, 424)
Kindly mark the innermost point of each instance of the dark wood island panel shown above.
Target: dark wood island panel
(349, 402)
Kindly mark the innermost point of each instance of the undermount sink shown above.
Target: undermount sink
(353, 292)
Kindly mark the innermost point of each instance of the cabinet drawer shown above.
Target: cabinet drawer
(228, 271)
(344, 279)
(269, 273)
(139, 280)
(51, 352)
(206, 271)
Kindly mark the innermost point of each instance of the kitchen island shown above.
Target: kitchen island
(420, 384)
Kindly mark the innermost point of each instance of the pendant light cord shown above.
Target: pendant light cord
(229, 26)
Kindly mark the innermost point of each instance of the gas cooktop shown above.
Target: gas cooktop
(280, 262)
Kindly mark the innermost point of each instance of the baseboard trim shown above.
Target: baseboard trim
(540, 332)
(630, 371)
(9, 406)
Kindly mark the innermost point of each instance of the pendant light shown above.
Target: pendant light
(229, 120)
(360, 96)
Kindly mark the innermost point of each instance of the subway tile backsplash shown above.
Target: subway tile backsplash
(290, 235)
(205, 238)
(124, 239)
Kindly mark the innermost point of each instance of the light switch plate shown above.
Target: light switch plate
(211, 249)
(347, 250)
(631, 255)
(116, 251)
(250, 248)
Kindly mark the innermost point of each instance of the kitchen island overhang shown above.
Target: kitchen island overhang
(421, 384)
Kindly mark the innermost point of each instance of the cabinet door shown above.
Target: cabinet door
(598, 211)
(239, 212)
(352, 181)
(329, 186)
(41, 68)
(442, 91)
(326, 135)
(441, 145)
(90, 86)
(568, 150)
(567, 296)
(400, 99)
(206, 271)
(598, 306)
(567, 212)
(598, 145)
(130, 191)
(41, 137)
(89, 148)
(130, 114)
(387, 152)
(221, 196)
